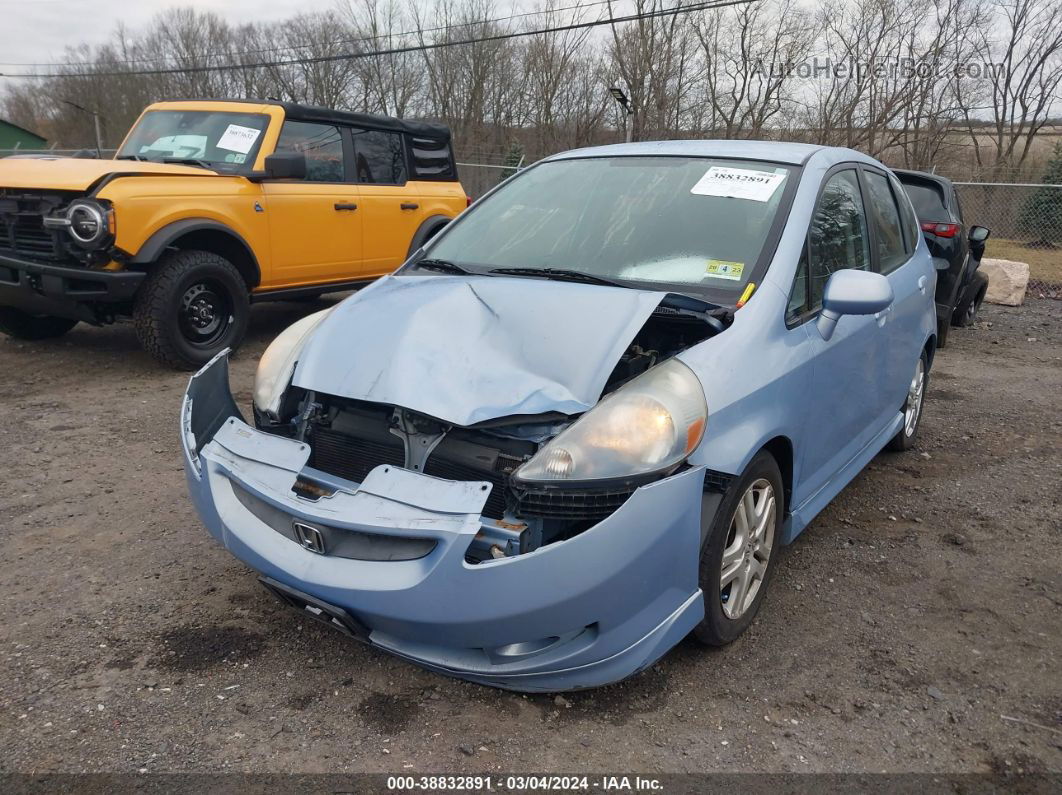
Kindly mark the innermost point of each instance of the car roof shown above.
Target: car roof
(315, 113)
(775, 151)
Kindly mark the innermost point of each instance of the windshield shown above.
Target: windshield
(219, 139)
(696, 224)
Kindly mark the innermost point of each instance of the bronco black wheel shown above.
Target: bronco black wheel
(23, 326)
(192, 305)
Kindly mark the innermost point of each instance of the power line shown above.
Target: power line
(344, 40)
(680, 9)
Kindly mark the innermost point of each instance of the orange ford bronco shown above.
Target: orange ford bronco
(210, 205)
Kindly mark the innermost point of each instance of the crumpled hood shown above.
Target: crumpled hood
(70, 173)
(465, 349)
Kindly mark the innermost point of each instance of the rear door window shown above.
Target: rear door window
(379, 157)
(885, 216)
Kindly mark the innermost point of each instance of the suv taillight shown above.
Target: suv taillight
(941, 230)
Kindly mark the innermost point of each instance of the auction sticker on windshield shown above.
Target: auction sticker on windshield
(738, 183)
(238, 139)
(722, 269)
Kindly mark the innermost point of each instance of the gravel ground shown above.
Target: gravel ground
(915, 626)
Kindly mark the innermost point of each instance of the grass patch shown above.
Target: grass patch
(1044, 263)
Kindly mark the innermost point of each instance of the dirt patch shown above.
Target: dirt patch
(190, 649)
(389, 713)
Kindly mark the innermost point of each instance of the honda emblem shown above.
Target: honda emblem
(310, 537)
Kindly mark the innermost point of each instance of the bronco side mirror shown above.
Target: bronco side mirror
(852, 292)
(979, 234)
(282, 165)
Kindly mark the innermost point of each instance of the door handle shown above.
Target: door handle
(922, 284)
(409, 206)
(345, 206)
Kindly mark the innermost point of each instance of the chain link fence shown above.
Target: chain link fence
(1025, 217)
(1026, 223)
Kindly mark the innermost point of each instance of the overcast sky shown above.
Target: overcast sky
(37, 31)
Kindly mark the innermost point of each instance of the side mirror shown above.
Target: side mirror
(282, 165)
(852, 292)
(979, 234)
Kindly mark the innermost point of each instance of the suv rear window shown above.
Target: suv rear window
(928, 201)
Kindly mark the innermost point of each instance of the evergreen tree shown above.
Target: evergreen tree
(1041, 217)
(514, 158)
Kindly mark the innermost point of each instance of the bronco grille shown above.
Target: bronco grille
(22, 227)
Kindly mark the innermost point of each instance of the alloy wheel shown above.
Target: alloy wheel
(748, 548)
(915, 396)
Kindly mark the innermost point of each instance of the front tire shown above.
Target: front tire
(193, 305)
(23, 326)
(738, 554)
(912, 408)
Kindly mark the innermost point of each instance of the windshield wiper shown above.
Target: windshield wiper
(560, 275)
(137, 158)
(440, 265)
(187, 161)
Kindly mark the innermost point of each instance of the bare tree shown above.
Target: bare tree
(1025, 44)
(748, 51)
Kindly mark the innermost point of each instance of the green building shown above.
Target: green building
(12, 136)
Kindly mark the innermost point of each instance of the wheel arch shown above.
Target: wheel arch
(428, 228)
(781, 448)
(203, 234)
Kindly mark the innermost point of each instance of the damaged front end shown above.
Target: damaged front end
(419, 534)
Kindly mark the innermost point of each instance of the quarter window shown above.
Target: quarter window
(379, 157)
(837, 239)
(885, 216)
(321, 143)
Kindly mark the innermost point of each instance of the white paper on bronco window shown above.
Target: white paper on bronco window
(738, 183)
(238, 139)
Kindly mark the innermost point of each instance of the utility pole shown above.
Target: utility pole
(96, 122)
(625, 103)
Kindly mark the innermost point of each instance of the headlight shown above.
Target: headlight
(648, 425)
(88, 222)
(278, 363)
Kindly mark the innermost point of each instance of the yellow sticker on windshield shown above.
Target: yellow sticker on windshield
(722, 269)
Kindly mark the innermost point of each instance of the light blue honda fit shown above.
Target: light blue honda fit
(580, 423)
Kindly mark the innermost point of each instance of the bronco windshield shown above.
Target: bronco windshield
(697, 225)
(221, 140)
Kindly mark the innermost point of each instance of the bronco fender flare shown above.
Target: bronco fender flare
(427, 230)
(165, 237)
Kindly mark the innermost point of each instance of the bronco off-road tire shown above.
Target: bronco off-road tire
(192, 305)
(20, 325)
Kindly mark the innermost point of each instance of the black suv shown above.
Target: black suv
(956, 253)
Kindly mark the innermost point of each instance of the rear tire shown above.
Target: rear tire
(22, 326)
(193, 305)
(966, 312)
(912, 408)
(943, 327)
(745, 548)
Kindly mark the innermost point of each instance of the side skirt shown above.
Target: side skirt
(802, 515)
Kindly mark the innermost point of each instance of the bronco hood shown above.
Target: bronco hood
(69, 173)
(465, 349)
